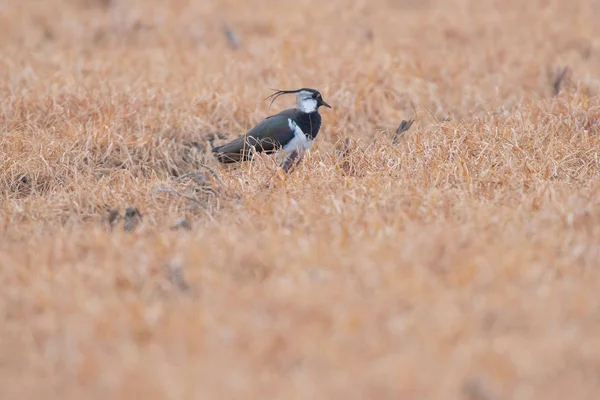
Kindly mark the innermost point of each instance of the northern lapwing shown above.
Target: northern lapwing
(293, 130)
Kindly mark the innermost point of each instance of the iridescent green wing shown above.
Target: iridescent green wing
(269, 135)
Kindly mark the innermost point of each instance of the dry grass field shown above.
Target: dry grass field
(458, 260)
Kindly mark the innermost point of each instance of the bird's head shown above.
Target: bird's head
(307, 100)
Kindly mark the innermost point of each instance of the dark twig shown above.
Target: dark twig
(404, 126)
(232, 38)
(559, 78)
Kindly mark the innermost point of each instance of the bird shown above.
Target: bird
(293, 130)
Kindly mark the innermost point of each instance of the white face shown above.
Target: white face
(305, 102)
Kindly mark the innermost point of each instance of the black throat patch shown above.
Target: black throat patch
(310, 123)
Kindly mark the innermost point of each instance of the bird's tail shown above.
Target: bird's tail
(225, 158)
(235, 151)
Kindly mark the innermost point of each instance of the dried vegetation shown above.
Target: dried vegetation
(452, 255)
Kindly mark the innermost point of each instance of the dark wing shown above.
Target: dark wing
(270, 134)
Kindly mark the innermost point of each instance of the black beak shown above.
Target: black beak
(323, 103)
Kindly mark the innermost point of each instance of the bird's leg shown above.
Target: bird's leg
(290, 160)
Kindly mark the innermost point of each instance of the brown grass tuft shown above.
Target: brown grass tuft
(457, 261)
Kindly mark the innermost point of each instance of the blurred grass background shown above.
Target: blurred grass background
(458, 260)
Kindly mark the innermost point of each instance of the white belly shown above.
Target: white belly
(300, 142)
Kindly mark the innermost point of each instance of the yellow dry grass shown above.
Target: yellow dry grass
(459, 261)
